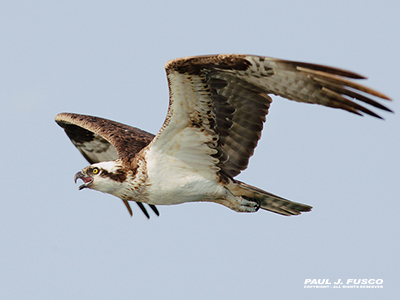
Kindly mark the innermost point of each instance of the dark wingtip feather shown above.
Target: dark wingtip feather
(330, 70)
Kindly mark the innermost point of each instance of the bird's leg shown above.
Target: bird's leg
(239, 204)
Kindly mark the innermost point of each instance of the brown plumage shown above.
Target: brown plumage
(94, 136)
(218, 105)
(241, 106)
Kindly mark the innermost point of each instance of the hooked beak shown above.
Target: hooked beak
(87, 180)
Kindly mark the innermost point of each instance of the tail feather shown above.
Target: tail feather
(270, 201)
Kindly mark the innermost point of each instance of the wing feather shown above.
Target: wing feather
(218, 105)
(100, 140)
(229, 95)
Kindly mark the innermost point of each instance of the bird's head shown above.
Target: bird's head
(105, 177)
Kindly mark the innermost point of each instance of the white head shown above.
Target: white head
(106, 177)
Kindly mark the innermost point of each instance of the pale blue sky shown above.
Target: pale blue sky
(106, 58)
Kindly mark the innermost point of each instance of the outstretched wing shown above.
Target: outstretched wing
(218, 104)
(100, 140)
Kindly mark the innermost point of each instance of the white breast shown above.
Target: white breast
(172, 180)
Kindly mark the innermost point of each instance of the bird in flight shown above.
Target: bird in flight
(217, 108)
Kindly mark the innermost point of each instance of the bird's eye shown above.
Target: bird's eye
(95, 170)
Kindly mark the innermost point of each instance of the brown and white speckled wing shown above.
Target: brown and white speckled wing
(218, 104)
(100, 140)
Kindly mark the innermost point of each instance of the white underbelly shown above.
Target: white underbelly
(180, 188)
(172, 181)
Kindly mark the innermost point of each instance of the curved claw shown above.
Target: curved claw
(142, 208)
(128, 207)
(140, 204)
(154, 208)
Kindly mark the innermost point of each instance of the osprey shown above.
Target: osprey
(217, 107)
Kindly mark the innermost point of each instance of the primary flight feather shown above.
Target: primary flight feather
(217, 108)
